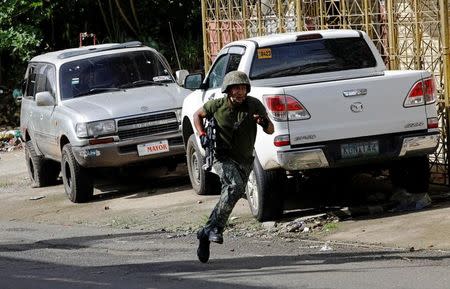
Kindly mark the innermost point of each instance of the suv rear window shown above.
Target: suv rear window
(111, 72)
(311, 56)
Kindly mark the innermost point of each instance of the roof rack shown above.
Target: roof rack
(73, 53)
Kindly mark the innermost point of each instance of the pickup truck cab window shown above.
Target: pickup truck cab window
(312, 56)
(223, 65)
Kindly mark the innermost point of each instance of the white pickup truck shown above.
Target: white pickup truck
(334, 106)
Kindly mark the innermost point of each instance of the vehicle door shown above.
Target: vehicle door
(28, 105)
(46, 125)
(228, 60)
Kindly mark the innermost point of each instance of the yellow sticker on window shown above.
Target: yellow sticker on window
(264, 53)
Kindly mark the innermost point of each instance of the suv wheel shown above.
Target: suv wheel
(42, 172)
(265, 193)
(77, 183)
(203, 183)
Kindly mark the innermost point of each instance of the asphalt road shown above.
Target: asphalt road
(55, 256)
(144, 237)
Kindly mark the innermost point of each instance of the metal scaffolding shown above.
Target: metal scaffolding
(410, 34)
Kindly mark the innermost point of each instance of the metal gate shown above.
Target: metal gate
(410, 34)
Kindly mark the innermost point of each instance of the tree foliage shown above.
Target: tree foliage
(33, 27)
(18, 35)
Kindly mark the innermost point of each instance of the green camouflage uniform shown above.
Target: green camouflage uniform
(235, 134)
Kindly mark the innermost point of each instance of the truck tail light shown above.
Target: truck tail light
(282, 140)
(432, 122)
(422, 92)
(284, 107)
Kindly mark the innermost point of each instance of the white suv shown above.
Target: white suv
(107, 105)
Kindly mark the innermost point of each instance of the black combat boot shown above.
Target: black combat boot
(203, 246)
(215, 235)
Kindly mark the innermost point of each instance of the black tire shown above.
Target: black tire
(42, 172)
(412, 174)
(77, 183)
(203, 183)
(265, 193)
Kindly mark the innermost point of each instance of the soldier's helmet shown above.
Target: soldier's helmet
(235, 78)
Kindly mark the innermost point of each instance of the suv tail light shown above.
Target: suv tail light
(284, 107)
(423, 92)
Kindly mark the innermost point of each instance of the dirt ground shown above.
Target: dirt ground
(166, 203)
(169, 203)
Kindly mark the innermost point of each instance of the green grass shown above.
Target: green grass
(4, 184)
(330, 226)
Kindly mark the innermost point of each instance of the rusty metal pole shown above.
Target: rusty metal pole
(299, 15)
(259, 16)
(366, 18)
(443, 4)
(244, 18)
(280, 17)
(417, 36)
(392, 38)
(322, 24)
(206, 54)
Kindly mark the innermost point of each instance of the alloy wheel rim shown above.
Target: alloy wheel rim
(252, 190)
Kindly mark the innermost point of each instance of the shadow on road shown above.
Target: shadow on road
(218, 273)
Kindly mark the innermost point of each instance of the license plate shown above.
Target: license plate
(153, 148)
(355, 150)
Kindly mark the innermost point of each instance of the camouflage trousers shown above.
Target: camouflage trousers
(233, 178)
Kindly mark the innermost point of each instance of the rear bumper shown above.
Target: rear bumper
(329, 154)
(125, 152)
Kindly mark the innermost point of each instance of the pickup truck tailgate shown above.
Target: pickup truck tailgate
(356, 108)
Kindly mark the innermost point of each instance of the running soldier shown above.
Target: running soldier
(236, 116)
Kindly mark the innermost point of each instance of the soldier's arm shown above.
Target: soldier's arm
(199, 115)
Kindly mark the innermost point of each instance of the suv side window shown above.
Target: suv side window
(30, 82)
(45, 80)
(223, 65)
(40, 77)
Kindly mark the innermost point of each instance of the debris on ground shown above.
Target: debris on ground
(10, 140)
(287, 229)
(410, 202)
(36, 198)
(326, 247)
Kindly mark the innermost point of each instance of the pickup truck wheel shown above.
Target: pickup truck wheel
(77, 183)
(265, 193)
(203, 183)
(42, 172)
(412, 174)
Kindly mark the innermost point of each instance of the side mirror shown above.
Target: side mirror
(44, 98)
(193, 81)
(181, 76)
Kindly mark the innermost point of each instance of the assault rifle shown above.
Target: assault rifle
(210, 129)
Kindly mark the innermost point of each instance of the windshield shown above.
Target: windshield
(312, 56)
(112, 72)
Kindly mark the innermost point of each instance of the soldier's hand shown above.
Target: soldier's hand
(204, 140)
(261, 120)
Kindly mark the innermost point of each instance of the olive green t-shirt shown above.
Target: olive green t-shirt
(236, 128)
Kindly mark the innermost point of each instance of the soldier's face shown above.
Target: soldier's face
(237, 93)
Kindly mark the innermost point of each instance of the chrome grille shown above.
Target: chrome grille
(147, 125)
